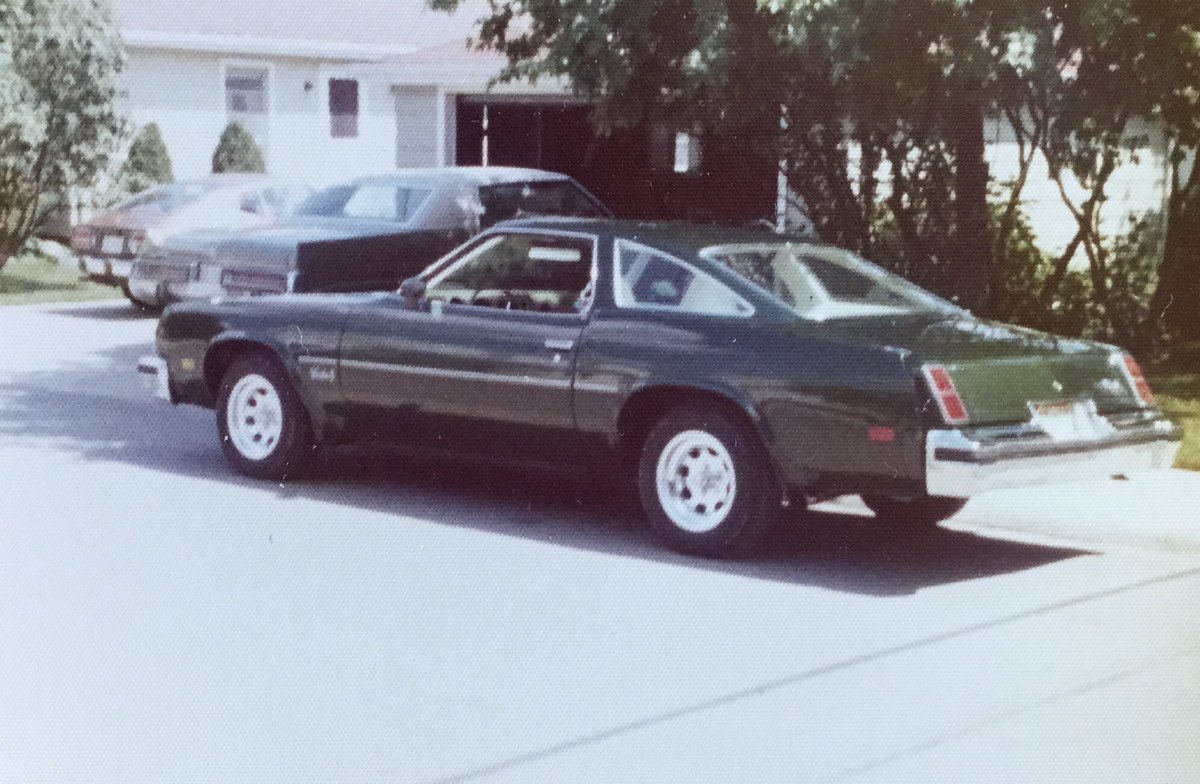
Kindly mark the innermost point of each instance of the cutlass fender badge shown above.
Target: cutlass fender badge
(322, 374)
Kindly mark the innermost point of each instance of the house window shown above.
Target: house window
(247, 101)
(246, 91)
(343, 108)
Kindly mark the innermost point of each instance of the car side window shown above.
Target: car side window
(532, 272)
(647, 278)
(279, 201)
(250, 202)
(384, 201)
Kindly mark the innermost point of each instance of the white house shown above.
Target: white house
(335, 90)
(298, 75)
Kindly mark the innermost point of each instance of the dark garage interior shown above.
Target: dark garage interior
(631, 170)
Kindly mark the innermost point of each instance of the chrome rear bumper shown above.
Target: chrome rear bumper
(962, 463)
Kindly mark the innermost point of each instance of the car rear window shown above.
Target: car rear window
(821, 282)
(554, 197)
(396, 202)
(168, 197)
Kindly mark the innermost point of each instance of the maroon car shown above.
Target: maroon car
(108, 243)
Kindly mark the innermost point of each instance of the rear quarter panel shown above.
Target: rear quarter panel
(813, 399)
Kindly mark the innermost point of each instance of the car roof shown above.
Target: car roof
(678, 235)
(474, 175)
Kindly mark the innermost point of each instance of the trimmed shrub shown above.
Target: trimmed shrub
(148, 162)
(237, 152)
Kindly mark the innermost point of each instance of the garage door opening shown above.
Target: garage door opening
(644, 172)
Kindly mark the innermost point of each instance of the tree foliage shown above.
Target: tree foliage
(147, 163)
(808, 84)
(237, 152)
(60, 68)
(876, 110)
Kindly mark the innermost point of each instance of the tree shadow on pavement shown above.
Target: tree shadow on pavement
(94, 413)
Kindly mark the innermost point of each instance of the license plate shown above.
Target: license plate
(1069, 420)
(112, 244)
(95, 266)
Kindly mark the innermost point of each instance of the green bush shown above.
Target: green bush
(148, 162)
(1074, 310)
(237, 152)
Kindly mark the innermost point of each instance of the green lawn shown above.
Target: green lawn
(29, 278)
(1178, 392)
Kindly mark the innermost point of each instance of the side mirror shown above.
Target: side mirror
(412, 291)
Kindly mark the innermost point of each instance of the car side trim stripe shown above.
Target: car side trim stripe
(462, 375)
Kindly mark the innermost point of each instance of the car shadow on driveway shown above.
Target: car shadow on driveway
(99, 414)
(109, 310)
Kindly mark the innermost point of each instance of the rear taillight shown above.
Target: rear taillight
(133, 243)
(1135, 377)
(944, 392)
(82, 238)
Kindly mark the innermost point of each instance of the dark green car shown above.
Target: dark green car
(731, 370)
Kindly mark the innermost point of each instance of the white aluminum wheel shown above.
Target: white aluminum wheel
(696, 481)
(254, 417)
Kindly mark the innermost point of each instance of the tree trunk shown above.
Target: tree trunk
(972, 247)
(1177, 297)
(1059, 271)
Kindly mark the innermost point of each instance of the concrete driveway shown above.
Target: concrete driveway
(164, 620)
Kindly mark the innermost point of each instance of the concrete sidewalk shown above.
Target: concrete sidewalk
(1156, 509)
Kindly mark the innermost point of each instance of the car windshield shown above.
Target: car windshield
(168, 197)
(386, 201)
(819, 282)
(552, 197)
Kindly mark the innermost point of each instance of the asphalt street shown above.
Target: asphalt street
(165, 620)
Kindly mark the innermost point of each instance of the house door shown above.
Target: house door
(416, 127)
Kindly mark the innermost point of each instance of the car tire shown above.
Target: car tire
(923, 511)
(138, 303)
(706, 483)
(264, 427)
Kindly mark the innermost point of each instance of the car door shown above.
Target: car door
(485, 365)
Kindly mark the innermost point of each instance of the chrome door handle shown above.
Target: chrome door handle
(559, 345)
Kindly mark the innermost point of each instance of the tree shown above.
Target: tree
(1177, 297)
(60, 69)
(1100, 79)
(148, 163)
(876, 112)
(909, 83)
(237, 152)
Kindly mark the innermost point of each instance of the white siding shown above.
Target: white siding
(416, 126)
(1135, 188)
(184, 93)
